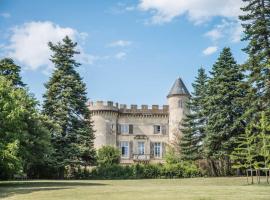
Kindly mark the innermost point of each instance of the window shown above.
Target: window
(157, 149)
(126, 128)
(141, 148)
(124, 149)
(180, 104)
(157, 129)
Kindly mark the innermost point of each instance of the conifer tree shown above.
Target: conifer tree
(263, 128)
(193, 130)
(224, 109)
(11, 71)
(65, 103)
(245, 153)
(256, 24)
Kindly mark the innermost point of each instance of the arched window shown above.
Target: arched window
(180, 103)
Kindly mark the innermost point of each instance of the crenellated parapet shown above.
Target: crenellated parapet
(110, 106)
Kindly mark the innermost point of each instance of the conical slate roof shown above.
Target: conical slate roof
(178, 88)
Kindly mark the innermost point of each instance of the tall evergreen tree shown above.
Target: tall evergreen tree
(194, 123)
(65, 103)
(256, 24)
(224, 108)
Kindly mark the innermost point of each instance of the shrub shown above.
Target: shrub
(137, 171)
(108, 155)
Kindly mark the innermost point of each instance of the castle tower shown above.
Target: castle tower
(177, 98)
(105, 117)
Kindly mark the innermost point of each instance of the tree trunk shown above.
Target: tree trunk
(247, 176)
(212, 167)
(266, 173)
(251, 176)
(61, 172)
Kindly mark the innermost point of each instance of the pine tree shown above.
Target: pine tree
(193, 130)
(245, 153)
(11, 71)
(256, 24)
(65, 103)
(263, 128)
(224, 109)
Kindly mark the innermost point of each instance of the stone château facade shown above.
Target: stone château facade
(141, 133)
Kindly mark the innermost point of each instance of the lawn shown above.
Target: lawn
(157, 189)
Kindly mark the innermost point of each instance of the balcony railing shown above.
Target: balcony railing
(141, 157)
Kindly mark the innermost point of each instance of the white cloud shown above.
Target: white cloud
(197, 11)
(120, 43)
(5, 15)
(214, 34)
(210, 50)
(28, 43)
(231, 29)
(120, 55)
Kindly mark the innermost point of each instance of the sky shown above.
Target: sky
(132, 51)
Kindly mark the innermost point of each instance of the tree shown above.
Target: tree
(256, 24)
(108, 155)
(11, 71)
(224, 109)
(194, 123)
(13, 109)
(263, 128)
(65, 103)
(244, 155)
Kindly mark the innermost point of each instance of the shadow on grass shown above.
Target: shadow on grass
(11, 188)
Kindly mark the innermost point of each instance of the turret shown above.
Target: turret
(105, 117)
(177, 99)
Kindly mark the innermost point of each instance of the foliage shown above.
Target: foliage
(263, 143)
(224, 109)
(245, 153)
(140, 171)
(256, 24)
(65, 103)
(108, 155)
(11, 71)
(24, 140)
(194, 123)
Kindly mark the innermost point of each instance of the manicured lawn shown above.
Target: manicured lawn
(159, 189)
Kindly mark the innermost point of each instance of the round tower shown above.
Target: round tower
(177, 98)
(104, 116)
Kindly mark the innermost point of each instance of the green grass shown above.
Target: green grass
(157, 189)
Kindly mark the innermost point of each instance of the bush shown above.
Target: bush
(137, 171)
(108, 155)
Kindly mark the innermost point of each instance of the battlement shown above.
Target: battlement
(123, 108)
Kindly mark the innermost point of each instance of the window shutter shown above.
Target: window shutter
(151, 149)
(155, 129)
(130, 149)
(163, 129)
(130, 129)
(163, 149)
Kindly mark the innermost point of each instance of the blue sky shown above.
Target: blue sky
(131, 51)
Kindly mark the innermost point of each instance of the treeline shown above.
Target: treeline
(229, 120)
(42, 143)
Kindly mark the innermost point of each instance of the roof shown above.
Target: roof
(178, 88)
